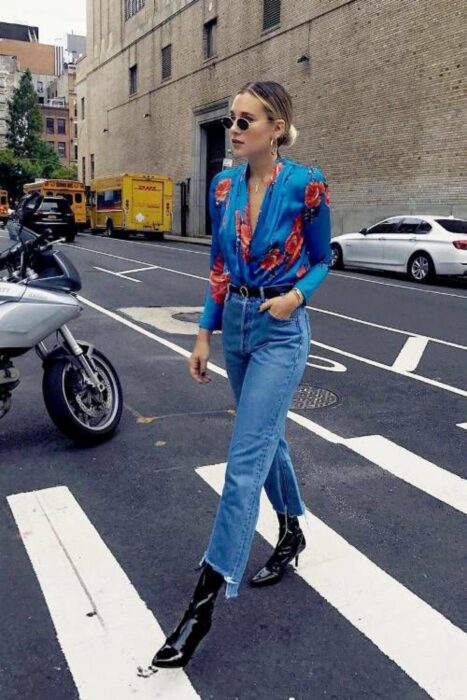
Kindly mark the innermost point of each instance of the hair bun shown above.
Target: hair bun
(291, 137)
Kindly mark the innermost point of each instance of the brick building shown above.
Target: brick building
(63, 91)
(377, 86)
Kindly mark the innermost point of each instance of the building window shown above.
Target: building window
(76, 151)
(76, 130)
(132, 7)
(92, 167)
(83, 168)
(271, 13)
(167, 62)
(50, 127)
(61, 126)
(210, 31)
(83, 108)
(133, 79)
(61, 147)
(40, 86)
(75, 109)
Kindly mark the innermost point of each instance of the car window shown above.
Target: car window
(453, 225)
(388, 226)
(55, 205)
(411, 224)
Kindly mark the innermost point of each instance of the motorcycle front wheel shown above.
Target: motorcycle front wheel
(79, 411)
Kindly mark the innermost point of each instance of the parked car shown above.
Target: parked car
(417, 245)
(38, 213)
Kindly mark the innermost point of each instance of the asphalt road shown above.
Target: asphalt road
(378, 609)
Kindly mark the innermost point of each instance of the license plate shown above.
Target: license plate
(51, 216)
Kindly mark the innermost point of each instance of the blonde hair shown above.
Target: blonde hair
(278, 105)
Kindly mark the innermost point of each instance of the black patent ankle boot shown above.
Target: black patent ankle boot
(195, 623)
(291, 542)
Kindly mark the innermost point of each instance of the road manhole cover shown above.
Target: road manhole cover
(308, 396)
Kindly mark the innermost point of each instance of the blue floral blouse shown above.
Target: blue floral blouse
(291, 240)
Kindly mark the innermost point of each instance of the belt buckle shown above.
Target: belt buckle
(243, 287)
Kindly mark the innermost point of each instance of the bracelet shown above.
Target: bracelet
(299, 294)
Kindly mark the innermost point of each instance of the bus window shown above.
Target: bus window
(69, 198)
(78, 197)
(3, 200)
(49, 194)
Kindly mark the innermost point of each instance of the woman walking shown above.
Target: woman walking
(270, 251)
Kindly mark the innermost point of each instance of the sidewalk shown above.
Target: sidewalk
(200, 240)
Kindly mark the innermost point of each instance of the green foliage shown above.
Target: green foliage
(24, 121)
(15, 172)
(66, 172)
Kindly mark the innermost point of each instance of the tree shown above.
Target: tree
(47, 160)
(15, 172)
(66, 172)
(24, 121)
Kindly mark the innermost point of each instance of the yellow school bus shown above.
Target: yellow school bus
(3, 206)
(72, 190)
(132, 202)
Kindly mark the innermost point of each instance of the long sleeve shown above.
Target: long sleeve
(317, 232)
(211, 318)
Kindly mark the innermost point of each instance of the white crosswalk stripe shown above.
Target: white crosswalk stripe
(104, 628)
(427, 646)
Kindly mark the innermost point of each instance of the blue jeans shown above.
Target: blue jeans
(265, 359)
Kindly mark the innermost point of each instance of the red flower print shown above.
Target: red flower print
(327, 197)
(276, 171)
(313, 192)
(301, 271)
(223, 188)
(219, 280)
(274, 258)
(294, 242)
(242, 227)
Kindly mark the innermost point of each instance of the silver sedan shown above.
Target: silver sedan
(419, 246)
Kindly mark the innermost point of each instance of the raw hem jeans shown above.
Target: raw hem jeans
(265, 359)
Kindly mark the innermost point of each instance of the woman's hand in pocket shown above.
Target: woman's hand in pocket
(198, 361)
(281, 306)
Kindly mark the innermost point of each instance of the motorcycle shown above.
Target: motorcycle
(38, 288)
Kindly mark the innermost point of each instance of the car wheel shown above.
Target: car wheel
(109, 229)
(337, 261)
(421, 268)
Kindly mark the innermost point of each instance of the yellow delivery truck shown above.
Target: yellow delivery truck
(132, 202)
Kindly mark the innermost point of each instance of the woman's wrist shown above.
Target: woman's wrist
(298, 295)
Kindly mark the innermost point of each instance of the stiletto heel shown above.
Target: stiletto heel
(291, 543)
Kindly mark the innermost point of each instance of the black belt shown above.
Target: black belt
(256, 291)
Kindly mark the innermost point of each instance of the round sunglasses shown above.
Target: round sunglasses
(242, 122)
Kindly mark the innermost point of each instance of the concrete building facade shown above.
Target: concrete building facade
(378, 89)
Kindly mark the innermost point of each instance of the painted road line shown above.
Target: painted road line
(462, 425)
(104, 628)
(139, 269)
(416, 471)
(386, 328)
(388, 368)
(411, 354)
(116, 274)
(399, 286)
(421, 641)
(444, 485)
